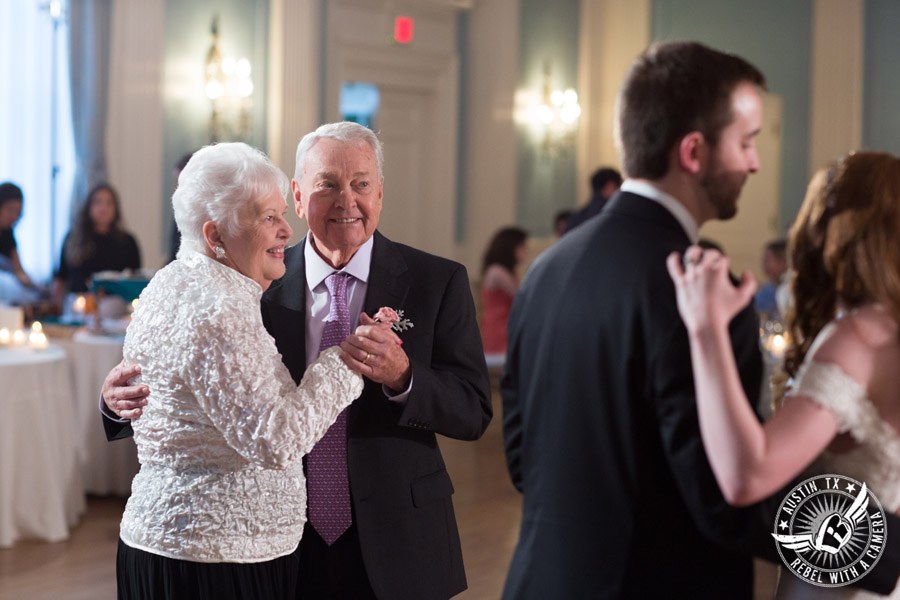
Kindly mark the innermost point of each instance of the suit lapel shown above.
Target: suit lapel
(290, 290)
(284, 311)
(388, 283)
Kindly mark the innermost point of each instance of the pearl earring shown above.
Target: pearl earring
(220, 252)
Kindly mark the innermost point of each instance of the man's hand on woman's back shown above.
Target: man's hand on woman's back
(127, 401)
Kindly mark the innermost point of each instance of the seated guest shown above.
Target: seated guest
(15, 286)
(499, 285)
(219, 505)
(97, 242)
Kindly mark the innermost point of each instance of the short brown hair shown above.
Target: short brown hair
(670, 90)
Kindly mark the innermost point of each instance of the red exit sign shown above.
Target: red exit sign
(403, 29)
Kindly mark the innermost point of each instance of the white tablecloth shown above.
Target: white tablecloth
(107, 467)
(40, 479)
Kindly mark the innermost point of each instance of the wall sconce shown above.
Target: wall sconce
(229, 88)
(551, 116)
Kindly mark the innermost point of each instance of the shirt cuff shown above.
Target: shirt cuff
(108, 414)
(391, 394)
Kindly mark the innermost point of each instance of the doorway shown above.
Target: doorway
(416, 117)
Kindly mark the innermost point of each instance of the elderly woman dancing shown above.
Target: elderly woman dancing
(219, 504)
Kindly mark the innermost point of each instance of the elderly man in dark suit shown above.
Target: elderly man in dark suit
(600, 421)
(396, 537)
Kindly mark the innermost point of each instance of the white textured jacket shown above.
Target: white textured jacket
(221, 439)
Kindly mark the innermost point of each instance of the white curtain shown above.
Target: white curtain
(26, 128)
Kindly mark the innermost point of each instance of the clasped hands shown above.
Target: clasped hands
(373, 350)
(707, 299)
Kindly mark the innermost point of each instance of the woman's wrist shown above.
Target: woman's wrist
(705, 330)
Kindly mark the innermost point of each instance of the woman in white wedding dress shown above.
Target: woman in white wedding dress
(843, 355)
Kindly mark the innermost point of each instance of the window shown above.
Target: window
(35, 123)
(359, 102)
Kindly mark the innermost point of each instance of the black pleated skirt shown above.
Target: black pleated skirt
(142, 575)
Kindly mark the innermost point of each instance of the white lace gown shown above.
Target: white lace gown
(221, 439)
(875, 459)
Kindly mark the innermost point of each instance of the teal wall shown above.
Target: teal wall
(881, 77)
(776, 37)
(243, 32)
(545, 182)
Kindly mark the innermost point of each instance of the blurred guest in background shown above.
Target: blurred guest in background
(499, 285)
(604, 183)
(15, 286)
(559, 222)
(774, 265)
(97, 242)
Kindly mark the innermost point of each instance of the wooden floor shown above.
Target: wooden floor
(488, 509)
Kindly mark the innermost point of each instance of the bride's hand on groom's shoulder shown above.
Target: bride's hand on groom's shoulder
(706, 296)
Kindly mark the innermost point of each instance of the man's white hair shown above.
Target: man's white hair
(217, 184)
(345, 131)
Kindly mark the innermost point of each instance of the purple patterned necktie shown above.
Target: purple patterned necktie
(326, 464)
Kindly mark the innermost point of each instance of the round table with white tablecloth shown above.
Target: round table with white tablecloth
(40, 480)
(107, 467)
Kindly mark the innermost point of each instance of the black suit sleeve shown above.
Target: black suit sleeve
(115, 430)
(677, 421)
(451, 395)
(882, 579)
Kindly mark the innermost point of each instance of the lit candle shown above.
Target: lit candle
(5, 337)
(79, 304)
(776, 345)
(18, 337)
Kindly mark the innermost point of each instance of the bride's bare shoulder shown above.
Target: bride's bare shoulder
(873, 325)
(858, 340)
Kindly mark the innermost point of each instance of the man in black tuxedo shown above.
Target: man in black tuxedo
(403, 541)
(600, 421)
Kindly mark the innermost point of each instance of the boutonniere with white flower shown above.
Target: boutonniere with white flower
(394, 317)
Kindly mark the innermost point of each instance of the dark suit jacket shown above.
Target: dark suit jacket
(399, 484)
(601, 431)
